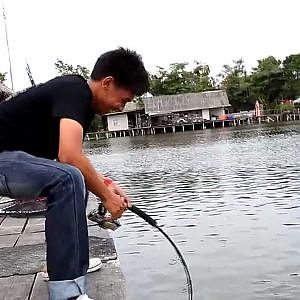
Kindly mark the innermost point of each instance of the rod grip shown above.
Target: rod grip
(143, 215)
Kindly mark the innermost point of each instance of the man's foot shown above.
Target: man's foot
(95, 264)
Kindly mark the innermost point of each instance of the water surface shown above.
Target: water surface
(229, 198)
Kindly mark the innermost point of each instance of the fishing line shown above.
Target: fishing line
(153, 223)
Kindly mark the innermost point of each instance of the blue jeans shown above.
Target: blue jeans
(26, 176)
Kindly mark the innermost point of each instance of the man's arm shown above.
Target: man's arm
(70, 152)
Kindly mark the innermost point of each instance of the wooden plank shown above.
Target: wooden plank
(40, 289)
(16, 287)
(35, 225)
(8, 240)
(12, 225)
(31, 238)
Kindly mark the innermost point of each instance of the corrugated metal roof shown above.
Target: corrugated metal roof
(183, 102)
(130, 106)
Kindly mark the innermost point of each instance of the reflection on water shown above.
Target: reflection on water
(229, 198)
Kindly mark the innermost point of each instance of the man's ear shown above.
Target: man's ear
(107, 82)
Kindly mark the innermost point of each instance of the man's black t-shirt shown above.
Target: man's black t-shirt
(30, 120)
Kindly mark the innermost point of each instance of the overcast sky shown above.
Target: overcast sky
(162, 31)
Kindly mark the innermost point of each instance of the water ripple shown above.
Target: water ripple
(229, 198)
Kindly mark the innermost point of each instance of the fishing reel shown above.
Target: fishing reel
(101, 217)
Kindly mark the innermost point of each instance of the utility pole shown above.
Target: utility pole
(7, 44)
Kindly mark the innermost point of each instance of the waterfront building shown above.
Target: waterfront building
(130, 117)
(186, 108)
(169, 110)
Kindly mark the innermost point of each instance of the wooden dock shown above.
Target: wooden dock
(206, 124)
(22, 256)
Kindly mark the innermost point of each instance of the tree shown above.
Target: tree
(203, 80)
(236, 82)
(65, 68)
(178, 80)
(2, 77)
(291, 70)
(268, 80)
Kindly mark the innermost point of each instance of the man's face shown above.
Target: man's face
(111, 97)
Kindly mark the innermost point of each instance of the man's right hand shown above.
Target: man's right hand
(115, 204)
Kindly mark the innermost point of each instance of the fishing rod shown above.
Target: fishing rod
(99, 216)
(153, 223)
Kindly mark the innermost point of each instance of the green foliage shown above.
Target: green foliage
(177, 79)
(2, 77)
(270, 82)
(291, 68)
(237, 84)
(96, 124)
(284, 107)
(65, 68)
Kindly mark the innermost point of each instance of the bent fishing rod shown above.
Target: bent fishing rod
(99, 214)
(153, 223)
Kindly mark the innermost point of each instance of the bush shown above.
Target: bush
(284, 107)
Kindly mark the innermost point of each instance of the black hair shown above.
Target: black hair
(126, 67)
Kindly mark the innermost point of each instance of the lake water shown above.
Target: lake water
(229, 198)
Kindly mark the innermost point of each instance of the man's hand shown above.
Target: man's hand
(115, 204)
(115, 188)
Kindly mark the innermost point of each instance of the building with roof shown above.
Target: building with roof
(169, 110)
(186, 108)
(129, 118)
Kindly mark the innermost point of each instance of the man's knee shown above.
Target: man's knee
(74, 176)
